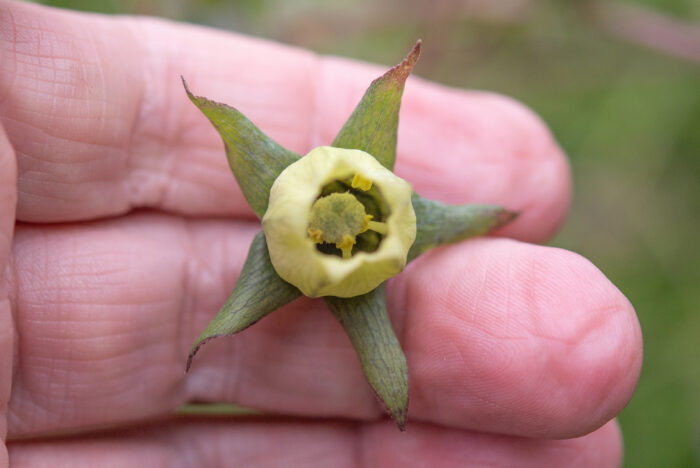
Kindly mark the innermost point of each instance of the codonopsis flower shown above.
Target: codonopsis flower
(337, 223)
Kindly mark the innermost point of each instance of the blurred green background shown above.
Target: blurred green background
(618, 83)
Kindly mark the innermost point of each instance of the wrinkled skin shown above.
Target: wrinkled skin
(130, 233)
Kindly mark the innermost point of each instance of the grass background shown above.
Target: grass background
(618, 83)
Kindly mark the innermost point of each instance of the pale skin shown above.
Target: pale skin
(130, 233)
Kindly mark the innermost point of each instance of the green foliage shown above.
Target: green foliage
(373, 125)
(440, 224)
(258, 292)
(255, 159)
(366, 322)
(257, 162)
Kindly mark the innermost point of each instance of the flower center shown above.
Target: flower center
(339, 217)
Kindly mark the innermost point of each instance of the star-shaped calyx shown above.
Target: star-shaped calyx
(337, 223)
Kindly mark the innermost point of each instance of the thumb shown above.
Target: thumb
(8, 200)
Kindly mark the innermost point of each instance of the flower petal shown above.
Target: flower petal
(258, 292)
(286, 223)
(255, 159)
(373, 125)
(366, 321)
(439, 224)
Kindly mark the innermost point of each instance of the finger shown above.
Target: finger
(315, 444)
(8, 199)
(519, 330)
(95, 108)
(500, 336)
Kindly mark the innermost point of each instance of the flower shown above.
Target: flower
(338, 223)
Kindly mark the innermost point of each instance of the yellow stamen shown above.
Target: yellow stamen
(365, 226)
(379, 227)
(346, 245)
(316, 235)
(361, 182)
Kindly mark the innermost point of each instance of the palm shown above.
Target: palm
(501, 337)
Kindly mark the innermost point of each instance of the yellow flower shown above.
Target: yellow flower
(338, 223)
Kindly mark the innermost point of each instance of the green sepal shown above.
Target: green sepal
(374, 123)
(258, 292)
(439, 224)
(366, 322)
(255, 159)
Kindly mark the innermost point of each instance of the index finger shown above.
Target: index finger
(100, 124)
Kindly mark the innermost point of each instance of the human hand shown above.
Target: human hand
(131, 232)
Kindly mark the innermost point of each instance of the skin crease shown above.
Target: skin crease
(131, 232)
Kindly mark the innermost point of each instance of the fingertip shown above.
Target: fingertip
(608, 357)
(543, 188)
(480, 147)
(592, 337)
(602, 448)
(522, 339)
(613, 444)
